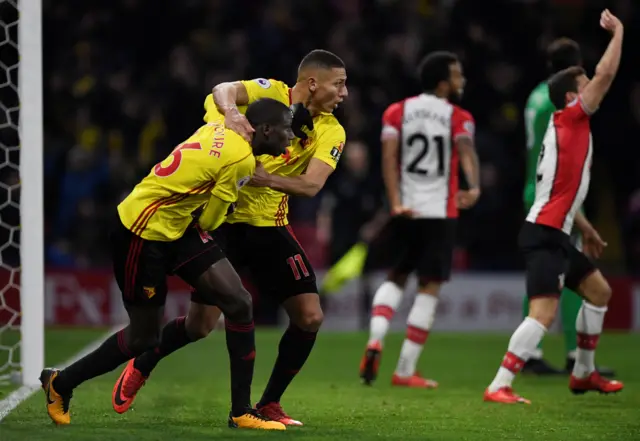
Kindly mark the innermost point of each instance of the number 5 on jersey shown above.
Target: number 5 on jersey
(176, 156)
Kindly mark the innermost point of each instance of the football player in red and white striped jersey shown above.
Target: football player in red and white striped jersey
(423, 139)
(552, 261)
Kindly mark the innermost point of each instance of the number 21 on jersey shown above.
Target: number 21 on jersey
(422, 145)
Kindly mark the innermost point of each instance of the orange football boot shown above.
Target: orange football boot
(274, 412)
(414, 381)
(253, 419)
(57, 404)
(370, 363)
(126, 388)
(504, 395)
(594, 382)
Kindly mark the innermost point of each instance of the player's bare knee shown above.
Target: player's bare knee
(543, 310)
(595, 289)
(311, 320)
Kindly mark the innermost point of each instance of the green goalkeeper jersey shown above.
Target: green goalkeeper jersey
(537, 114)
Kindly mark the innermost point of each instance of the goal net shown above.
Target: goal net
(21, 201)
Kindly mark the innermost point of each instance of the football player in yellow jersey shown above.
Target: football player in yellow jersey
(257, 236)
(156, 235)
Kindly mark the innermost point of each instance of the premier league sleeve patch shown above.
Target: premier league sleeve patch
(469, 127)
(263, 82)
(244, 181)
(336, 151)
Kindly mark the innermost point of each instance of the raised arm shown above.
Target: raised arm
(228, 96)
(606, 70)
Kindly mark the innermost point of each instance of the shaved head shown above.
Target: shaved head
(319, 59)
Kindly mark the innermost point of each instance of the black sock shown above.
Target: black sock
(111, 354)
(293, 351)
(241, 344)
(174, 336)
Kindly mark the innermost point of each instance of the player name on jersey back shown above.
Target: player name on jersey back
(213, 161)
(564, 168)
(427, 128)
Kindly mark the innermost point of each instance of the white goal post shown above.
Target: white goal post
(32, 181)
(28, 235)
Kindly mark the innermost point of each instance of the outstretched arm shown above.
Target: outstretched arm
(606, 70)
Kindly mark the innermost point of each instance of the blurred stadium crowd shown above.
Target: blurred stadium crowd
(125, 81)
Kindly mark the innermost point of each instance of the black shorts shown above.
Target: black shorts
(141, 266)
(271, 256)
(378, 256)
(421, 245)
(552, 262)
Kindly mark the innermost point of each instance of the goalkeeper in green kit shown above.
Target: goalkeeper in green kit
(561, 54)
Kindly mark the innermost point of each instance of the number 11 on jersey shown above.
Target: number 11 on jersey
(295, 262)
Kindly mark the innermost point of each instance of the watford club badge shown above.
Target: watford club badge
(149, 291)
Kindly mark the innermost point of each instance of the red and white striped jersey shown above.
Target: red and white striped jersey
(427, 127)
(564, 168)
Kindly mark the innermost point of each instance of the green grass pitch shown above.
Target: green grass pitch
(187, 397)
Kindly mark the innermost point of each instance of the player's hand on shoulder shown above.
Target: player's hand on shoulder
(592, 243)
(402, 211)
(301, 118)
(467, 198)
(261, 178)
(236, 121)
(609, 22)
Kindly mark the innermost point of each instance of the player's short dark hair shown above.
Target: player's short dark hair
(563, 53)
(266, 111)
(319, 58)
(435, 67)
(562, 83)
